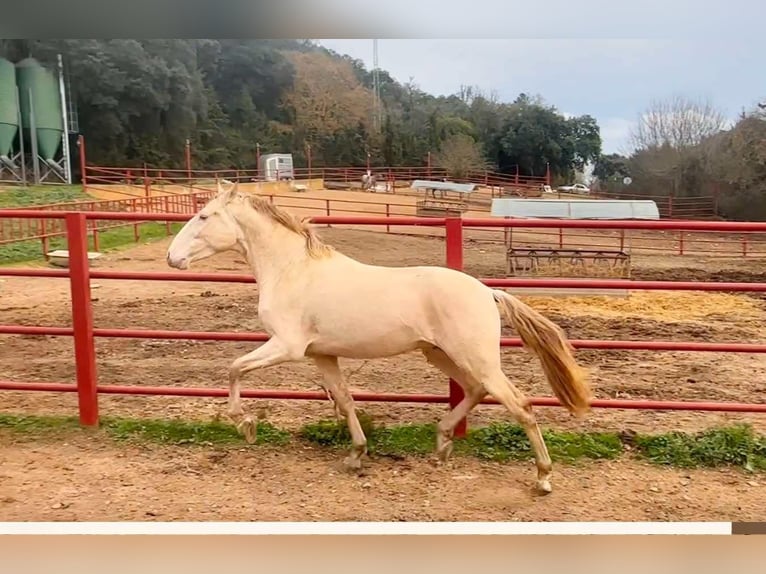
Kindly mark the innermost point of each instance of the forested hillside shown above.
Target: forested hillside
(139, 100)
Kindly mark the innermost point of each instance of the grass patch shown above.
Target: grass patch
(503, 441)
(381, 441)
(736, 446)
(195, 433)
(498, 442)
(202, 433)
(41, 195)
(731, 446)
(37, 425)
(31, 250)
(111, 239)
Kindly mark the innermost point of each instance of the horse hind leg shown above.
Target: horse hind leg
(512, 399)
(473, 391)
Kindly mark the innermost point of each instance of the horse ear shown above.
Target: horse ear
(230, 193)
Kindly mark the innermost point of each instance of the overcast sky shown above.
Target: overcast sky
(612, 80)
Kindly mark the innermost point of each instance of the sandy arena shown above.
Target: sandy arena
(94, 479)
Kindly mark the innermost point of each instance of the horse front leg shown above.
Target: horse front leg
(272, 352)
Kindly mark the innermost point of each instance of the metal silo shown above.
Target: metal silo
(43, 112)
(9, 110)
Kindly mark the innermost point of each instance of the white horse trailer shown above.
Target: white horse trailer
(277, 166)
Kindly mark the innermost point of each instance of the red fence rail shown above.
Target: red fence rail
(680, 242)
(84, 333)
(14, 230)
(343, 174)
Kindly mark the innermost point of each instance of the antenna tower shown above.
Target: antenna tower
(376, 105)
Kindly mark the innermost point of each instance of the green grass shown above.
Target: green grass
(37, 425)
(503, 441)
(31, 250)
(166, 432)
(498, 442)
(184, 432)
(109, 240)
(731, 446)
(735, 446)
(41, 195)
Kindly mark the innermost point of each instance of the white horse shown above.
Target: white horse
(317, 303)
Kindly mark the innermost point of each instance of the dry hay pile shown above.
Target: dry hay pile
(656, 305)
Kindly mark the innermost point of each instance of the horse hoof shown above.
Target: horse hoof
(445, 451)
(248, 428)
(352, 464)
(544, 486)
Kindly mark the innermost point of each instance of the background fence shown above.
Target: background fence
(84, 333)
(174, 192)
(396, 179)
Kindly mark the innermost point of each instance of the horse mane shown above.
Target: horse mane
(315, 247)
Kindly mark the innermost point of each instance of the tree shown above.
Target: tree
(736, 160)
(611, 168)
(326, 100)
(667, 157)
(535, 136)
(460, 154)
(677, 123)
(585, 137)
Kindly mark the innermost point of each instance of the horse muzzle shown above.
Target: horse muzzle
(177, 262)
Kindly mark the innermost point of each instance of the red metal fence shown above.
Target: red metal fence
(84, 332)
(662, 242)
(341, 174)
(397, 179)
(44, 229)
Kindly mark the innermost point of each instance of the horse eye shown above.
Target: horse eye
(203, 216)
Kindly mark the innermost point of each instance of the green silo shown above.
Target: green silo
(9, 110)
(30, 75)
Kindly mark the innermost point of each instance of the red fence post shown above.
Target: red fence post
(187, 160)
(82, 318)
(166, 207)
(454, 245)
(44, 233)
(308, 155)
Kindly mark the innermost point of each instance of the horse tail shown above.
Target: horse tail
(546, 339)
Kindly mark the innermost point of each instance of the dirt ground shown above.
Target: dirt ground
(100, 481)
